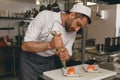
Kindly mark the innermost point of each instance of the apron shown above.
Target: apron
(32, 65)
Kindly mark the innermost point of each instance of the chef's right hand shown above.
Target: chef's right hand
(63, 53)
(57, 42)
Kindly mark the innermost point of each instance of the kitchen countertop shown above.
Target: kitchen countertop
(58, 74)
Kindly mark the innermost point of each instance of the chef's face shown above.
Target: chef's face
(74, 24)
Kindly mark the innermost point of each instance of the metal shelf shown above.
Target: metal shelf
(16, 18)
(7, 28)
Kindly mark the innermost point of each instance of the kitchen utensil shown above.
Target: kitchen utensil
(49, 6)
(114, 41)
(100, 48)
(54, 33)
(107, 42)
(118, 40)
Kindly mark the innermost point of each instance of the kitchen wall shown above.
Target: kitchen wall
(102, 28)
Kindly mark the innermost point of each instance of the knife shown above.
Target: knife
(54, 33)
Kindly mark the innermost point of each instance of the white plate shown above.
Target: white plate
(97, 68)
(77, 73)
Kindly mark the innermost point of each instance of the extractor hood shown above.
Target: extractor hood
(108, 1)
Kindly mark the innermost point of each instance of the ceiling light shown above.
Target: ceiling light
(37, 2)
(89, 3)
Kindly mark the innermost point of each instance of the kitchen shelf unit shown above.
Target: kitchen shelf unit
(9, 55)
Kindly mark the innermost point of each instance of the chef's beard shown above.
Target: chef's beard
(68, 24)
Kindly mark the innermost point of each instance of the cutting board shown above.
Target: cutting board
(58, 74)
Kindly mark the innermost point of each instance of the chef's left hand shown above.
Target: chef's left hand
(63, 53)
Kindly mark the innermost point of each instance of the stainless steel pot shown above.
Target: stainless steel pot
(100, 47)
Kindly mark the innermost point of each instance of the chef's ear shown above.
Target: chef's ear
(72, 15)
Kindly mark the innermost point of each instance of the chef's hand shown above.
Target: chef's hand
(57, 42)
(63, 53)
